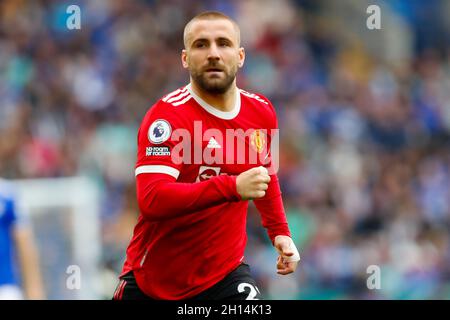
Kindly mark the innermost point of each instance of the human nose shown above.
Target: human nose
(213, 53)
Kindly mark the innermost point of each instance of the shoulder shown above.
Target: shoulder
(177, 98)
(170, 107)
(174, 102)
(170, 112)
(257, 97)
(259, 101)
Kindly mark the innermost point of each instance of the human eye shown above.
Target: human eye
(199, 44)
(224, 43)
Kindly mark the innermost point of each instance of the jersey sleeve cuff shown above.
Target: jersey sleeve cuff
(236, 196)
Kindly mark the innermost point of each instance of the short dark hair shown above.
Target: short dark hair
(211, 15)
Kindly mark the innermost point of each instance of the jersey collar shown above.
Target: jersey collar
(226, 115)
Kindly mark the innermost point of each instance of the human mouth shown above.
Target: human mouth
(213, 70)
(214, 73)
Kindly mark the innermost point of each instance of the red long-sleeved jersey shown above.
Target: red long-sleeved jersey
(191, 230)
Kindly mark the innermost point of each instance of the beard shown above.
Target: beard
(214, 85)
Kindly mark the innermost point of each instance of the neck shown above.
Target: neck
(223, 102)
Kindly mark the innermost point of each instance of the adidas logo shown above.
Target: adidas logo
(213, 144)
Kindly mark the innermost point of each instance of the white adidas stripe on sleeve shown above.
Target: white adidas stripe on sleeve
(174, 93)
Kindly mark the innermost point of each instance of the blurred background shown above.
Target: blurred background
(364, 118)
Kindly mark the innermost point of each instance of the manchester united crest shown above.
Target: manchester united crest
(258, 140)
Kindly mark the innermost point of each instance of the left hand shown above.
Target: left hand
(288, 255)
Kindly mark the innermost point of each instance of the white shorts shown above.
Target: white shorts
(10, 292)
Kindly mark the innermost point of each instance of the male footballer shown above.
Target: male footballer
(203, 153)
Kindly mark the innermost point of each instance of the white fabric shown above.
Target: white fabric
(214, 111)
(158, 169)
(10, 292)
(296, 255)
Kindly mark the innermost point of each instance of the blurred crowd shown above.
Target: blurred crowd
(364, 117)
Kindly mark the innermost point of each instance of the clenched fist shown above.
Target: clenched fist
(253, 183)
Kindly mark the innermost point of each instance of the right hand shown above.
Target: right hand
(253, 183)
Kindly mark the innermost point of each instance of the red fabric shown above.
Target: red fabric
(192, 228)
(272, 210)
(156, 195)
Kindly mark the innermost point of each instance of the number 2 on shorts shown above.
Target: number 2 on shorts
(253, 290)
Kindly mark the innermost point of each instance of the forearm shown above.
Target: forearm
(161, 198)
(272, 212)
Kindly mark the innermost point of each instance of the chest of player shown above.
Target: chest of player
(215, 147)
